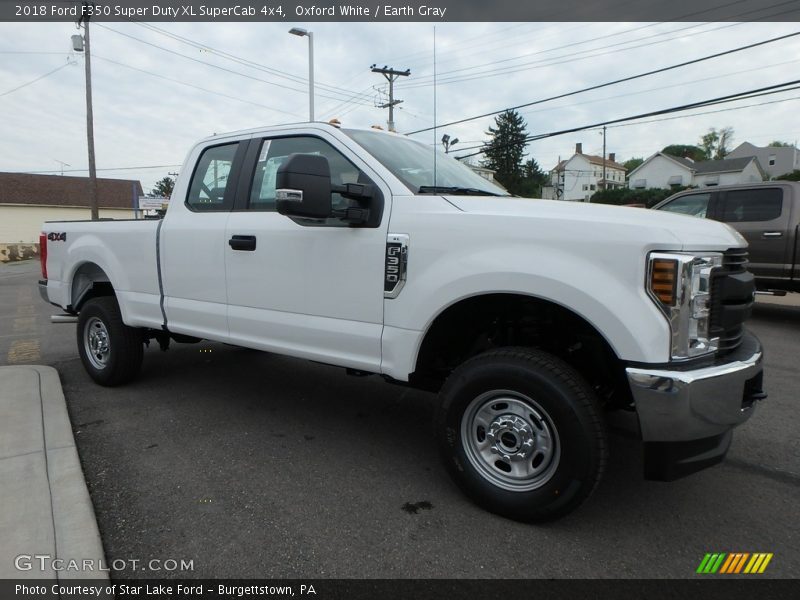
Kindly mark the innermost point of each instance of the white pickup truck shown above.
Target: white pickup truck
(535, 321)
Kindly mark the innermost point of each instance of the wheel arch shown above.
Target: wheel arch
(480, 322)
(88, 281)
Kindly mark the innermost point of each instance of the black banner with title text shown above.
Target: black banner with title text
(387, 589)
(414, 10)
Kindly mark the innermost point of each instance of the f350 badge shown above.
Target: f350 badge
(396, 264)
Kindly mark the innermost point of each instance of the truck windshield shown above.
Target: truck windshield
(412, 163)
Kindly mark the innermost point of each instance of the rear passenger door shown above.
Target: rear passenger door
(193, 244)
(762, 217)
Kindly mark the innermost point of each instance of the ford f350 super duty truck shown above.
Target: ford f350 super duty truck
(534, 320)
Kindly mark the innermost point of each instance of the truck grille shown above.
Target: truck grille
(732, 289)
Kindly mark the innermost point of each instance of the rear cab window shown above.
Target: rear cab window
(212, 187)
(750, 206)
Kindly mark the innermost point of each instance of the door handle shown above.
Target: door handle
(243, 242)
(772, 234)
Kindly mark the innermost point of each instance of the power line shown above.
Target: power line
(425, 80)
(760, 68)
(243, 61)
(56, 70)
(197, 87)
(33, 52)
(614, 82)
(106, 169)
(711, 112)
(221, 68)
(762, 91)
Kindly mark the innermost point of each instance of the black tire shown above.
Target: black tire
(521, 433)
(119, 359)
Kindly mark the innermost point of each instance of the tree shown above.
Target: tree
(632, 163)
(685, 151)
(716, 143)
(779, 144)
(505, 149)
(163, 187)
(793, 176)
(533, 178)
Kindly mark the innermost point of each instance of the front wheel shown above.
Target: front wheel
(520, 431)
(111, 351)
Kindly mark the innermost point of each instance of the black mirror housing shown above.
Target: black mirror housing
(303, 187)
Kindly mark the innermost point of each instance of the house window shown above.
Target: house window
(585, 187)
(639, 184)
(675, 180)
(592, 187)
(771, 160)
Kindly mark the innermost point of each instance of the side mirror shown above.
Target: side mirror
(303, 187)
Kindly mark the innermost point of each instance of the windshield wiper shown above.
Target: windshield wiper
(462, 191)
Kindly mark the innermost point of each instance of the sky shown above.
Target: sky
(155, 94)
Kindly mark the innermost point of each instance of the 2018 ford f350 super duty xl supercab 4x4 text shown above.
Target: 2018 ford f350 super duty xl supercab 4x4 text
(534, 320)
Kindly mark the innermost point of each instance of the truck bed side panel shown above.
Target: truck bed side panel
(124, 250)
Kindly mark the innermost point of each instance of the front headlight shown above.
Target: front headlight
(680, 284)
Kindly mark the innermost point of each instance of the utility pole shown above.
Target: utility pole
(391, 75)
(93, 203)
(604, 158)
(559, 181)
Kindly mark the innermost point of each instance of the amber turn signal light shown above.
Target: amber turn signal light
(663, 280)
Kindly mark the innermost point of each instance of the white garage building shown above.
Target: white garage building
(26, 201)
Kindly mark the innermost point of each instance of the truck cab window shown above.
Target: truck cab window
(695, 205)
(209, 185)
(742, 206)
(275, 151)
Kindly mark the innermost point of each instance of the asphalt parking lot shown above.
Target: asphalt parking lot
(256, 465)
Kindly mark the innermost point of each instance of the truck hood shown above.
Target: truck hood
(691, 233)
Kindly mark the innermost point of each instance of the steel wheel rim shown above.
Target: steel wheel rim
(510, 440)
(96, 343)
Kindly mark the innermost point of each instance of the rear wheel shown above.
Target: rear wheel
(520, 431)
(111, 351)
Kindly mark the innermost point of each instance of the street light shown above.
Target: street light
(447, 142)
(310, 35)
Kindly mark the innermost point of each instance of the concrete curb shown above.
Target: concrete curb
(45, 508)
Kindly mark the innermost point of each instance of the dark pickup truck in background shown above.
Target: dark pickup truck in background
(767, 214)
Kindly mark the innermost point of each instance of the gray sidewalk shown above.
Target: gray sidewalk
(45, 509)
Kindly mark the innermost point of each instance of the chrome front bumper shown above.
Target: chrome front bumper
(686, 416)
(687, 405)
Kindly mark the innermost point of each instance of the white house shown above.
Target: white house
(775, 161)
(580, 176)
(666, 171)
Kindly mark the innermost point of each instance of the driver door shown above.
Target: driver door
(308, 288)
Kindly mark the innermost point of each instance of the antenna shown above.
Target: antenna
(63, 164)
(435, 152)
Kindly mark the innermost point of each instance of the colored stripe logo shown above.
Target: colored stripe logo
(734, 563)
